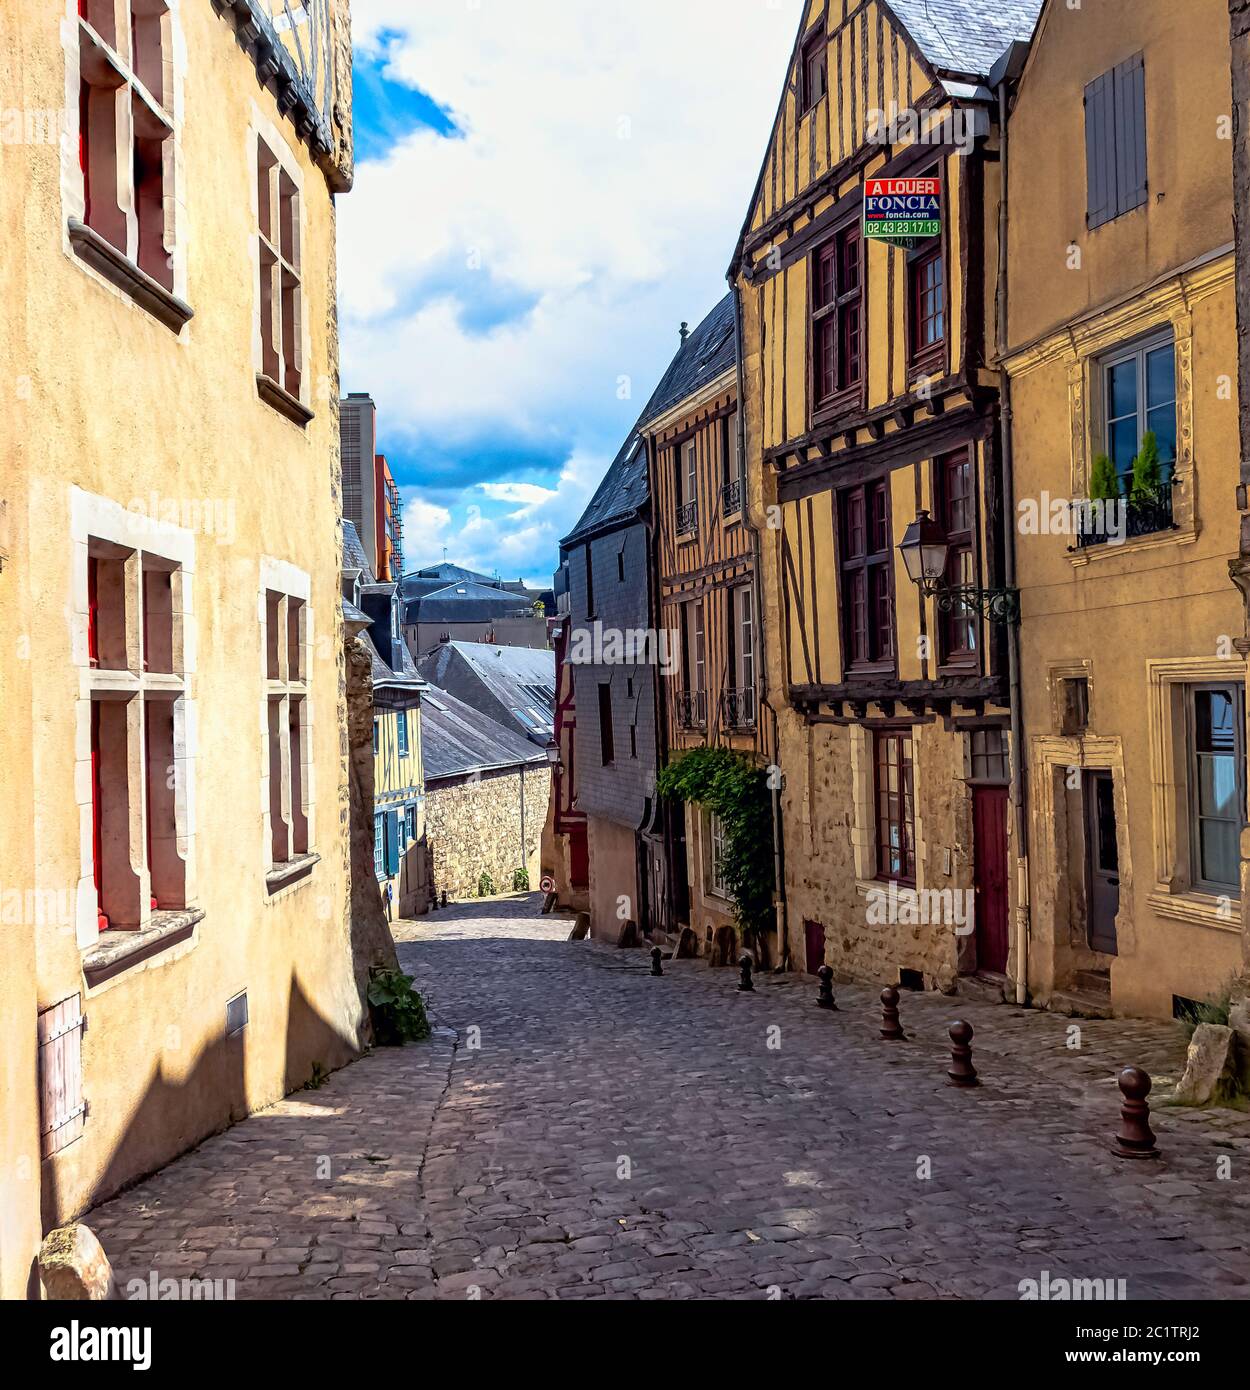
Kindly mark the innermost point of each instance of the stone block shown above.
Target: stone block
(73, 1266)
(1208, 1066)
(581, 928)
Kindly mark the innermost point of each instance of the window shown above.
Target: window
(837, 317)
(137, 777)
(896, 835)
(955, 487)
(620, 565)
(740, 698)
(1115, 142)
(686, 488)
(813, 77)
(716, 857)
(692, 702)
(377, 736)
(287, 639)
(1217, 786)
(607, 747)
(125, 136)
(281, 293)
(590, 582)
(927, 299)
(1073, 705)
(633, 741)
(866, 563)
(379, 844)
(62, 1107)
(732, 481)
(988, 761)
(1139, 386)
(401, 723)
(410, 825)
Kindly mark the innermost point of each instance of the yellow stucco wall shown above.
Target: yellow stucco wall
(121, 408)
(1161, 608)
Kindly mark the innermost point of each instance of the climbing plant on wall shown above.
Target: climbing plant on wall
(735, 791)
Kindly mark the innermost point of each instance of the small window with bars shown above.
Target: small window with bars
(988, 759)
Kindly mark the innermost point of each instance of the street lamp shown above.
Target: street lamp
(925, 551)
(553, 753)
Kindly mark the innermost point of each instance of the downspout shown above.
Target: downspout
(779, 874)
(1019, 791)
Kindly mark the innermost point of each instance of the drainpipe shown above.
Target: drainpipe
(779, 874)
(1011, 63)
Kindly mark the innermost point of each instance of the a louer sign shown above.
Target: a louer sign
(902, 209)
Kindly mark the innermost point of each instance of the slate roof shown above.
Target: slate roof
(354, 557)
(966, 36)
(466, 603)
(457, 739)
(620, 496)
(516, 686)
(710, 351)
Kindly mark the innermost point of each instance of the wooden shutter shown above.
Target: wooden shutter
(1130, 134)
(1100, 150)
(63, 1111)
(393, 822)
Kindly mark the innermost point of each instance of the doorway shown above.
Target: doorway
(1102, 862)
(989, 877)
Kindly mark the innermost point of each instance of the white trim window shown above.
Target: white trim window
(1217, 786)
(379, 844)
(1139, 397)
(716, 856)
(286, 630)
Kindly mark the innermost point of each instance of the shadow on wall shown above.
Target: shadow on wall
(173, 1117)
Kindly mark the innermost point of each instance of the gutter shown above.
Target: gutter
(779, 875)
(1006, 72)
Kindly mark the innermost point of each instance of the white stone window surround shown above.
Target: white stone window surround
(262, 130)
(1174, 895)
(173, 99)
(102, 521)
(864, 827)
(288, 583)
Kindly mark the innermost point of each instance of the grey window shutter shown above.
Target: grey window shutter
(1100, 159)
(1130, 138)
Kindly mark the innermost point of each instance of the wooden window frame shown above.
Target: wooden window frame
(813, 80)
(843, 304)
(962, 542)
(1194, 816)
(883, 818)
(882, 658)
(927, 359)
(281, 378)
(286, 638)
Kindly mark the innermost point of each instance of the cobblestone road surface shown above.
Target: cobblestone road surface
(577, 1129)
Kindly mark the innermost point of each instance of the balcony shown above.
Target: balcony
(1144, 514)
(688, 519)
(692, 709)
(731, 498)
(738, 708)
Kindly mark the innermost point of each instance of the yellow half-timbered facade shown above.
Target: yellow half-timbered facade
(870, 401)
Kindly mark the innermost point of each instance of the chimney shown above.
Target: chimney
(684, 331)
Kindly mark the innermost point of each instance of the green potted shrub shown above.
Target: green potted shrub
(1147, 474)
(1104, 483)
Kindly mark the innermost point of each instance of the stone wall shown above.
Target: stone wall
(474, 827)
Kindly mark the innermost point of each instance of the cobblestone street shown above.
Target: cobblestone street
(577, 1129)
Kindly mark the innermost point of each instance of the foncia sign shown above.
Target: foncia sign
(902, 210)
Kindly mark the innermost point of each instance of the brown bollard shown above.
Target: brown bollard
(1136, 1139)
(891, 1029)
(824, 998)
(962, 1072)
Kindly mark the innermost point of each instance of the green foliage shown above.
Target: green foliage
(485, 886)
(521, 881)
(398, 1010)
(1147, 478)
(1206, 1011)
(1104, 485)
(736, 792)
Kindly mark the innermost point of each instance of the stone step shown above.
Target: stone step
(1096, 983)
(1077, 1004)
(986, 989)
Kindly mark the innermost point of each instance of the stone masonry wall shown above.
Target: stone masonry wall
(474, 827)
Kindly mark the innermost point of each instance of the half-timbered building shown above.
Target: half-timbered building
(870, 402)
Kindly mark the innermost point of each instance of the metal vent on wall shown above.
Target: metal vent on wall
(236, 1014)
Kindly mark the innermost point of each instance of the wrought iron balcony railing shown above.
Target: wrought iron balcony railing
(692, 709)
(1142, 513)
(738, 707)
(731, 497)
(688, 519)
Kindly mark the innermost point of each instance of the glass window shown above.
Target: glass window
(716, 842)
(379, 845)
(1217, 785)
(1140, 398)
(896, 836)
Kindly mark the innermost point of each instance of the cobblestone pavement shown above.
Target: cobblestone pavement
(577, 1129)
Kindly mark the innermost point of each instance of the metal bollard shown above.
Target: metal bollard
(1136, 1139)
(656, 957)
(962, 1072)
(825, 999)
(891, 1029)
(745, 964)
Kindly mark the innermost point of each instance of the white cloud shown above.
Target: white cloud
(608, 158)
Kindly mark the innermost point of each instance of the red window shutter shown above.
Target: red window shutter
(63, 1111)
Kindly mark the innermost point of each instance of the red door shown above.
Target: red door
(579, 857)
(814, 941)
(989, 873)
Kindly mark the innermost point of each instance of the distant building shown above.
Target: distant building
(487, 793)
(446, 603)
(371, 500)
(514, 686)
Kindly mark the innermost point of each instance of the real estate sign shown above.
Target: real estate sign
(902, 209)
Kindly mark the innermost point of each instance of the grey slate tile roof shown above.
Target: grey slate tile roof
(707, 353)
(354, 557)
(516, 686)
(465, 603)
(623, 492)
(457, 739)
(966, 36)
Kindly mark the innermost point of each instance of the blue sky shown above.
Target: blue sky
(545, 189)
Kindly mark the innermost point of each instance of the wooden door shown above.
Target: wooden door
(1102, 862)
(814, 943)
(989, 829)
(579, 857)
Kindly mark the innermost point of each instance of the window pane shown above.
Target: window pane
(1217, 787)
(1123, 444)
(1163, 422)
(1218, 840)
(1160, 377)
(1122, 389)
(1213, 711)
